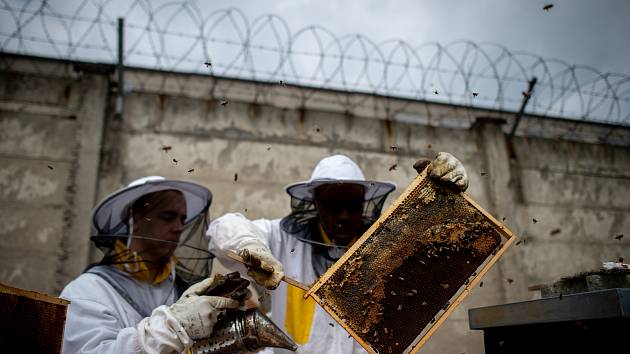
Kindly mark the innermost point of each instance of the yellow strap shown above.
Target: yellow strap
(299, 315)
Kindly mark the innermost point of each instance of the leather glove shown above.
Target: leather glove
(446, 168)
(230, 285)
(198, 313)
(262, 266)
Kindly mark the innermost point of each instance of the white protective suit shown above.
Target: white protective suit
(307, 323)
(325, 335)
(104, 322)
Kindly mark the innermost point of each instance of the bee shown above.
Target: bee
(166, 148)
(618, 237)
(510, 280)
(475, 94)
(175, 161)
(393, 167)
(208, 64)
(50, 167)
(224, 102)
(191, 170)
(435, 92)
(547, 7)
(235, 177)
(481, 284)
(534, 220)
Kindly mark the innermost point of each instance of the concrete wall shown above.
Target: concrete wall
(272, 135)
(50, 128)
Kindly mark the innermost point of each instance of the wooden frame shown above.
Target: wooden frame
(457, 298)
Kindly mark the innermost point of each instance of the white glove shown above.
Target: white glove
(261, 265)
(448, 168)
(198, 313)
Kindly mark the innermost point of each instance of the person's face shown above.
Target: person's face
(161, 217)
(340, 208)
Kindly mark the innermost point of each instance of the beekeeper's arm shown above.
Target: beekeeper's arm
(94, 328)
(445, 168)
(233, 232)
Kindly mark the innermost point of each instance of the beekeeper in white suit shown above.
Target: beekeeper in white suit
(133, 300)
(330, 212)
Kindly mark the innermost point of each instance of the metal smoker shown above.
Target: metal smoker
(244, 332)
(240, 331)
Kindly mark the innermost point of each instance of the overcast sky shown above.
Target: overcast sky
(595, 33)
(589, 32)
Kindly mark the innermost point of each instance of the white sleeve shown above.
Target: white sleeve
(161, 333)
(233, 232)
(91, 328)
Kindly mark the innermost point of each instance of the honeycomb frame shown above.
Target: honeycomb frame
(369, 276)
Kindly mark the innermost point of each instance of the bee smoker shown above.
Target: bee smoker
(243, 332)
(239, 331)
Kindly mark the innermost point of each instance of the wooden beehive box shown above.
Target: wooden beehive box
(402, 279)
(30, 322)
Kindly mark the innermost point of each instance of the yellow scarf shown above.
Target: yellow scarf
(130, 262)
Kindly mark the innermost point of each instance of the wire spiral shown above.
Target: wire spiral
(181, 36)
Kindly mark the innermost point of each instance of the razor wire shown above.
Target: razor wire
(181, 36)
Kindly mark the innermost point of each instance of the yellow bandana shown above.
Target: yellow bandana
(130, 262)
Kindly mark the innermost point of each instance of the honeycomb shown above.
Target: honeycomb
(408, 267)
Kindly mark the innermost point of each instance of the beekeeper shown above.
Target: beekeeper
(133, 300)
(329, 212)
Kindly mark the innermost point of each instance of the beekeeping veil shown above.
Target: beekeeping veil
(112, 222)
(336, 169)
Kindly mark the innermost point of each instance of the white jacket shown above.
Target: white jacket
(100, 320)
(230, 231)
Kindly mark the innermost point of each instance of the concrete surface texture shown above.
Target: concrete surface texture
(62, 149)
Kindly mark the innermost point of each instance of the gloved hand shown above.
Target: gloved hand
(198, 313)
(261, 265)
(446, 168)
